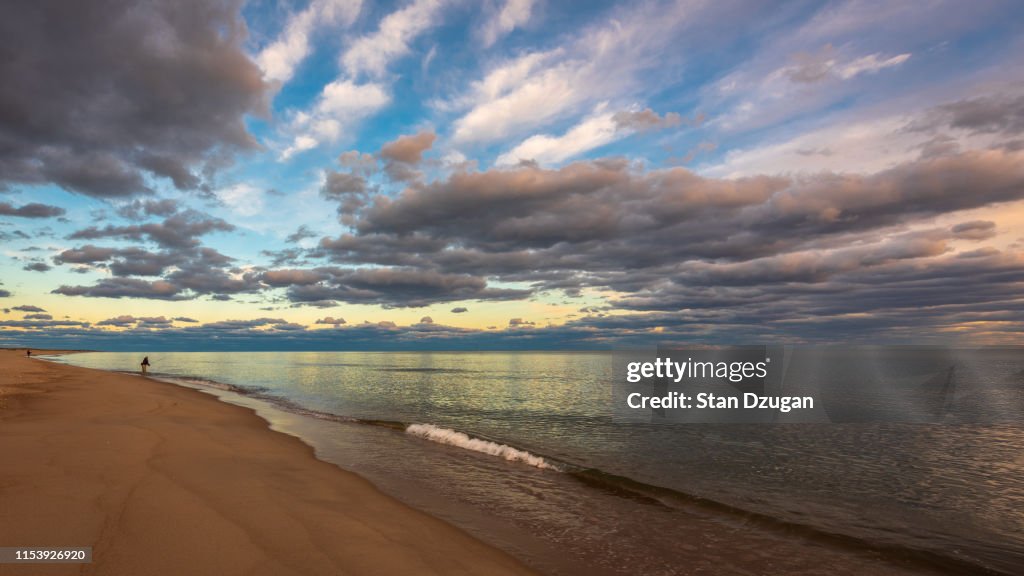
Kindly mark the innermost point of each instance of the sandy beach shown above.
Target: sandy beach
(160, 479)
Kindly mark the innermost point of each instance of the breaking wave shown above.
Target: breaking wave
(462, 440)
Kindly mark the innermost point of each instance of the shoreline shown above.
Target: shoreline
(161, 479)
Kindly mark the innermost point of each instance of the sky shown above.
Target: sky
(510, 174)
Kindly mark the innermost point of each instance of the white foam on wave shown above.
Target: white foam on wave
(461, 440)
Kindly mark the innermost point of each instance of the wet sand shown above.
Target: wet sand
(160, 479)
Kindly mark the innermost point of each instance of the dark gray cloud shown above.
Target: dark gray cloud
(27, 308)
(459, 310)
(300, 234)
(140, 322)
(243, 324)
(13, 235)
(408, 149)
(5, 293)
(330, 320)
(125, 288)
(119, 321)
(975, 230)
(139, 209)
(33, 210)
(122, 90)
(87, 254)
(36, 267)
(206, 273)
(180, 230)
(289, 327)
(286, 257)
(38, 316)
(314, 304)
(403, 155)
(389, 287)
(600, 224)
(185, 268)
(349, 190)
(123, 261)
(1000, 113)
(38, 325)
(185, 319)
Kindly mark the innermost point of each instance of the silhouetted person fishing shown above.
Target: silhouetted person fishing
(145, 364)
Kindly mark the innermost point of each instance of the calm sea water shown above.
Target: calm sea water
(521, 450)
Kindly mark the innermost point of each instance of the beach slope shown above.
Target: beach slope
(160, 479)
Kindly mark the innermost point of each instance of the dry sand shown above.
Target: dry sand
(160, 479)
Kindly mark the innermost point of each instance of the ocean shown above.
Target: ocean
(521, 450)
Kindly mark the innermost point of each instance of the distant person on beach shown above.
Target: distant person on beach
(145, 364)
(28, 352)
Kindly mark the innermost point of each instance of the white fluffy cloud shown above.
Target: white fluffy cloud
(371, 54)
(513, 14)
(341, 105)
(602, 63)
(594, 131)
(345, 101)
(279, 59)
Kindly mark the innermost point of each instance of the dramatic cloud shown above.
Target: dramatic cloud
(123, 92)
(672, 240)
(860, 172)
(33, 210)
